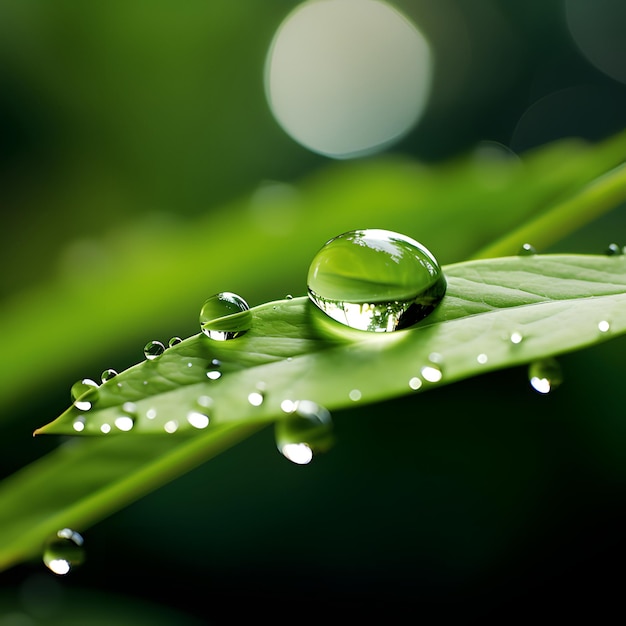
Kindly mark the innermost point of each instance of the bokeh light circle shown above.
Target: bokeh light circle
(346, 78)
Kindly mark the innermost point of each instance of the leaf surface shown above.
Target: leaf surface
(294, 352)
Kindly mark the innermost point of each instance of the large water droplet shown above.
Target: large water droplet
(64, 551)
(305, 432)
(375, 280)
(225, 316)
(545, 375)
(153, 349)
(84, 393)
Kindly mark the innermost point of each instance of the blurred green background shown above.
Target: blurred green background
(122, 121)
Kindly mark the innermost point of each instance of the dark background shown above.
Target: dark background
(478, 502)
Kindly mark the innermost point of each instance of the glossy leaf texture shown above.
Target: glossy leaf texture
(105, 296)
(549, 303)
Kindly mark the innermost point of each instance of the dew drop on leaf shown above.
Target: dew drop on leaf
(432, 373)
(545, 375)
(375, 280)
(108, 374)
(256, 398)
(153, 349)
(84, 393)
(482, 358)
(516, 337)
(64, 551)
(174, 341)
(415, 383)
(614, 249)
(604, 326)
(225, 316)
(305, 432)
(527, 250)
(197, 419)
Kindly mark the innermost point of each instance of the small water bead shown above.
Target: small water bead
(256, 398)
(197, 419)
(105, 429)
(432, 373)
(108, 375)
(153, 350)
(355, 395)
(305, 432)
(151, 414)
(545, 375)
(64, 551)
(375, 280)
(225, 316)
(415, 383)
(174, 341)
(213, 374)
(527, 250)
(170, 426)
(79, 424)
(482, 358)
(614, 249)
(84, 393)
(516, 337)
(604, 326)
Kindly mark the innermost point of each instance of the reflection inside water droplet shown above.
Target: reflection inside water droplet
(64, 551)
(375, 280)
(545, 375)
(153, 349)
(306, 431)
(225, 316)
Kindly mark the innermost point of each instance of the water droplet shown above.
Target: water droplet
(213, 374)
(197, 419)
(415, 383)
(124, 423)
(516, 337)
(288, 406)
(614, 249)
(64, 551)
(256, 398)
(171, 426)
(305, 432)
(604, 326)
(206, 402)
(107, 375)
(355, 395)
(153, 349)
(174, 341)
(545, 375)
(432, 373)
(527, 250)
(84, 393)
(288, 297)
(151, 414)
(105, 428)
(79, 424)
(225, 316)
(375, 280)
(482, 358)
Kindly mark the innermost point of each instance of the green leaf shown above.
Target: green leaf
(555, 302)
(105, 294)
(294, 352)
